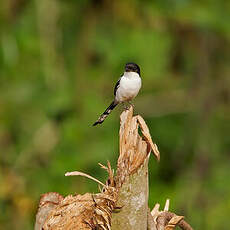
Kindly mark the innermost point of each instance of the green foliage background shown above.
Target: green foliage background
(59, 61)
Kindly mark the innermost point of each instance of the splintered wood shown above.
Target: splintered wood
(134, 148)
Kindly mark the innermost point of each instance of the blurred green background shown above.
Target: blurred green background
(59, 62)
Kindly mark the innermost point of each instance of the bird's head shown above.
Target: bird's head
(132, 67)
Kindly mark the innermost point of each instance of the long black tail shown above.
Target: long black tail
(106, 113)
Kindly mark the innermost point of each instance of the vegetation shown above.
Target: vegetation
(59, 61)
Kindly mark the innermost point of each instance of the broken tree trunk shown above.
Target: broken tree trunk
(123, 200)
(132, 173)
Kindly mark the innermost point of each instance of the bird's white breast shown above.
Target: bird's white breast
(130, 84)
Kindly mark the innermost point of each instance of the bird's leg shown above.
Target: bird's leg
(131, 104)
(124, 106)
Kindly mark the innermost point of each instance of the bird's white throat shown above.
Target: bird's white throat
(131, 75)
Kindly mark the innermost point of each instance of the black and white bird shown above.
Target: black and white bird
(125, 89)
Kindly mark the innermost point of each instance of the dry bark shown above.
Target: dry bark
(123, 200)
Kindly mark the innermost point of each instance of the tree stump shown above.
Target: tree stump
(122, 202)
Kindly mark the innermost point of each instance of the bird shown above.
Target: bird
(126, 88)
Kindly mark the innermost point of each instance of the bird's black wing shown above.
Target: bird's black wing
(116, 86)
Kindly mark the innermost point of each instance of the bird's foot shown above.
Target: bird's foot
(131, 104)
(125, 106)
